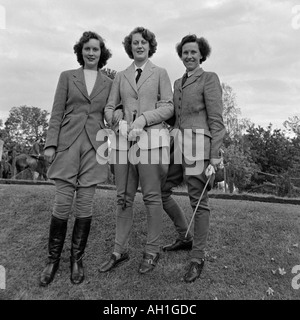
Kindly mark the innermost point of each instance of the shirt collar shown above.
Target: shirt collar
(189, 73)
(142, 67)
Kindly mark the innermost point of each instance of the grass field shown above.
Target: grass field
(252, 249)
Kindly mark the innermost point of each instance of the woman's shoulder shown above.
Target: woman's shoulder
(70, 72)
(211, 78)
(158, 68)
(120, 73)
(210, 74)
(106, 77)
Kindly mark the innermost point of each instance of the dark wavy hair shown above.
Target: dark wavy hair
(203, 46)
(86, 36)
(147, 35)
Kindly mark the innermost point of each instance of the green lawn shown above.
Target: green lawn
(252, 247)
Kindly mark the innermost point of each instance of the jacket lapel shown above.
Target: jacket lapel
(129, 74)
(177, 84)
(100, 84)
(79, 82)
(193, 77)
(147, 72)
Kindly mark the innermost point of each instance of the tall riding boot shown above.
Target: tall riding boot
(79, 239)
(57, 235)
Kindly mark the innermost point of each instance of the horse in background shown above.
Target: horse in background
(5, 166)
(32, 163)
(5, 169)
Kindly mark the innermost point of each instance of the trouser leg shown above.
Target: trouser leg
(151, 178)
(84, 201)
(178, 217)
(124, 216)
(64, 195)
(201, 228)
(154, 228)
(124, 222)
(201, 220)
(173, 179)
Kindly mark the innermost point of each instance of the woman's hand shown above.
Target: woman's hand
(139, 123)
(123, 128)
(137, 127)
(49, 154)
(215, 162)
(117, 116)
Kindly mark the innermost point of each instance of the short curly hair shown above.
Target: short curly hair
(203, 45)
(147, 35)
(86, 36)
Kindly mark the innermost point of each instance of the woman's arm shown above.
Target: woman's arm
(164, 107)
(113, 101)
(57, 112)
(214, 109)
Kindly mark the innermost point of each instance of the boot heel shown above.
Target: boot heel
(48, 273)
(77, 271)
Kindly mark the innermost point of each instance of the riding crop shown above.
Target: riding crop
(208, 172)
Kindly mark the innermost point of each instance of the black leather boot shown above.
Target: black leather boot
(57, 235)
(79, 239)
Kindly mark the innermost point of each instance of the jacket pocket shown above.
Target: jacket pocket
(65, 121)
(201, 131)
(102, 124)
(67, 112)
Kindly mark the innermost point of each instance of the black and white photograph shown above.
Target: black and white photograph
(149, 153)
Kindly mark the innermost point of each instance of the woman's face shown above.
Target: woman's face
(91, 52)
(191, 55)
(140, 48)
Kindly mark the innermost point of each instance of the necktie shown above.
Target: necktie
(139, 71)
(184, 79)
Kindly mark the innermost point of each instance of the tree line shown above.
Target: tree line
(255, 156)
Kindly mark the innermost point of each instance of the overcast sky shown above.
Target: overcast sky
(255, 46)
